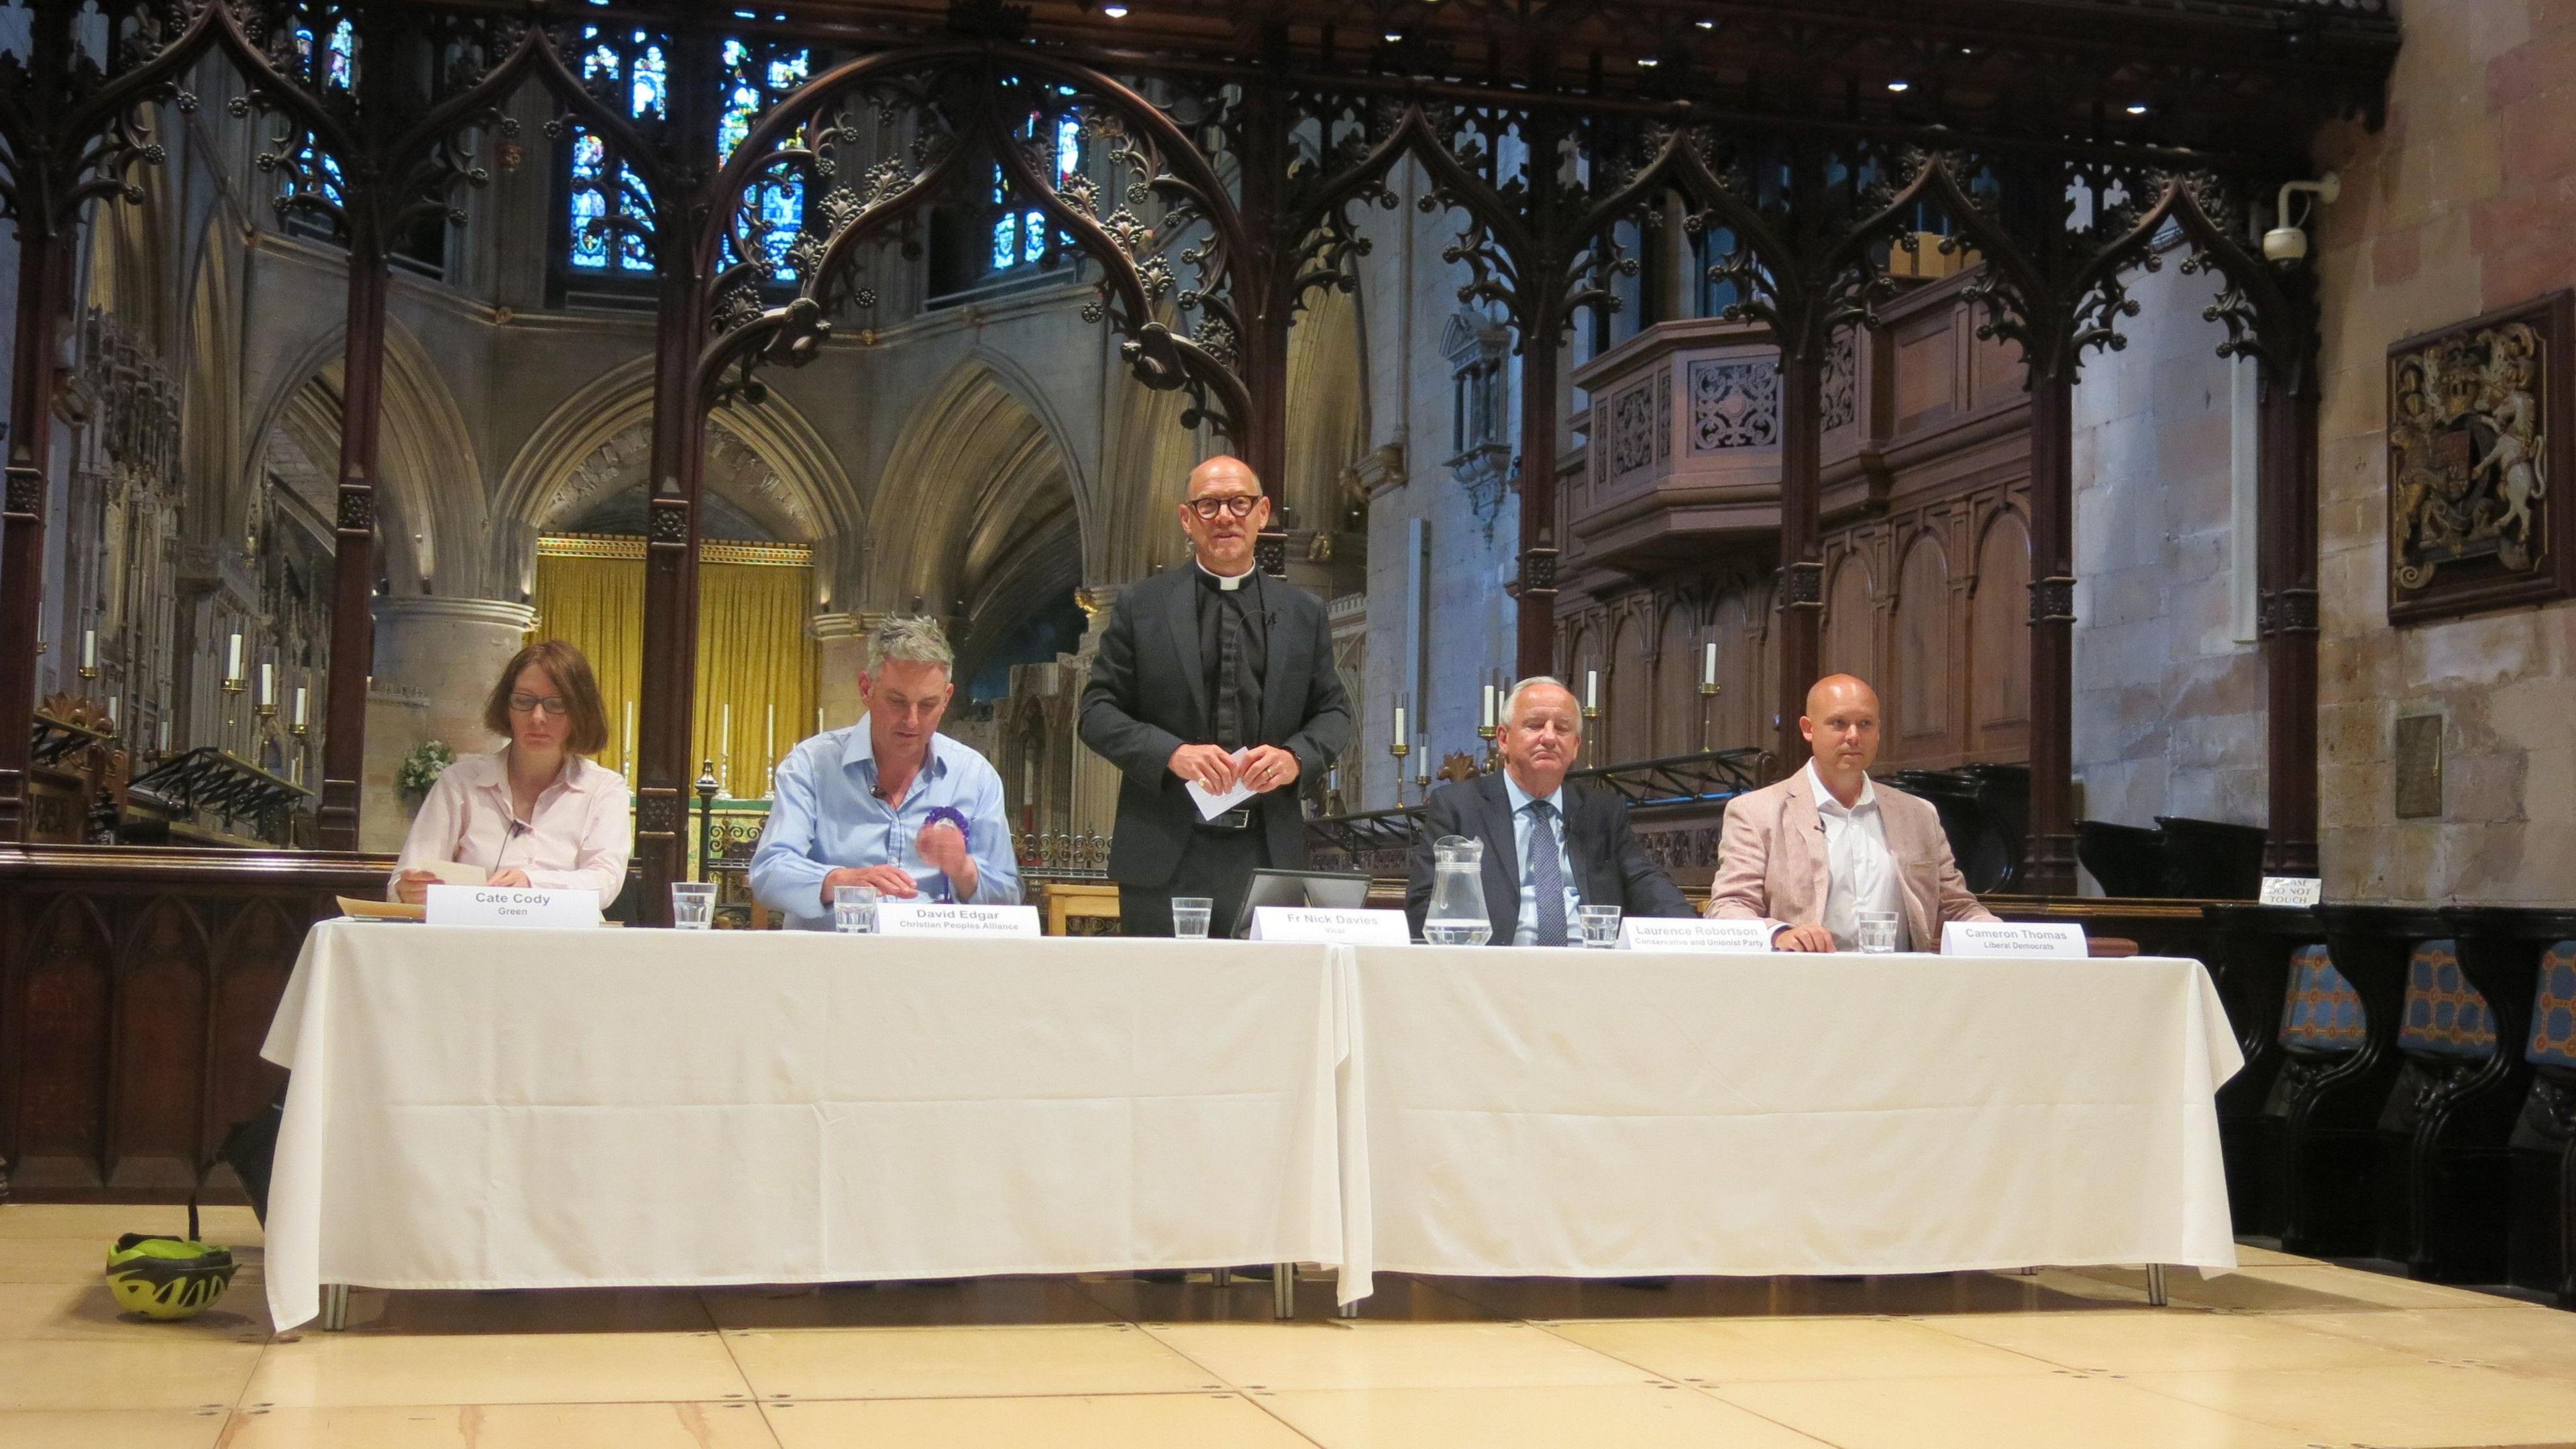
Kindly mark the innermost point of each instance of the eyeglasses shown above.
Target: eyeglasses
(531, 704)
(1240, 505)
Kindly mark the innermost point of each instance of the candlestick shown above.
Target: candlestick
(769, 744)
(1401, 738)
(630, 741)
(1399, 749)
(1591, 692)
(725, 750)
(300, 717)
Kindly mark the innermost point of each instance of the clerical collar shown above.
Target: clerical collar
(1227, 582)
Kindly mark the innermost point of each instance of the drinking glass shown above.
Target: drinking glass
(1876, 931)
(1600, 926)
(854, 908)
(693, 905)
(1190, 916)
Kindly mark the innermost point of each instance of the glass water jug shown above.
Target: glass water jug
(1457, 915)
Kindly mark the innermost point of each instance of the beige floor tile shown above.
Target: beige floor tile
(2042, 1411)
(735, 1425)
(2153, 1340)
(1751, 1350)
(1391, 1355)
(1399, 1298)
(541, 1310)
(1127, 1421)
(234, 1227)
(112, 1429)
(2317, 1288)
(1610, 1416)
(90, 1311)
(56, 1260)
(2420, 1406)
(1555, 1298)
(169, 1374)
(919, 1363)
(970, 1303)
(2523, 1338)
(325, 1370)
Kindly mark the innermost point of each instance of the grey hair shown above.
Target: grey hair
(1512, 701)
(915, 638)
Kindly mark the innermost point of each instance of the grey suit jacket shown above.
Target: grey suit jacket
(1148, 697)
(1610, 867)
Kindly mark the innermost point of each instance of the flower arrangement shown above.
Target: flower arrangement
(422, 767)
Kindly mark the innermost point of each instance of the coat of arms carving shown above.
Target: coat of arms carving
(2479, 439)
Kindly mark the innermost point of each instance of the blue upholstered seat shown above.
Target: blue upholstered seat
(2321, 1013)
(2553, 1009)
(2445, 1015)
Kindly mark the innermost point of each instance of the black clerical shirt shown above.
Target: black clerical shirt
(1237, 612)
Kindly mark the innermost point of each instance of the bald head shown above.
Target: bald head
(1841, 726)
(1223, 512)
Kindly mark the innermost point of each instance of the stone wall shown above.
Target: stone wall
(2463, 203)
(2169, 707)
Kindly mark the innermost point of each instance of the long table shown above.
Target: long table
(1618, 1114)
(511, 1109)
(520, 1109)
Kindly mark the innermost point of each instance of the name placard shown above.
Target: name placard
(2291, 890)
(1318, 926)
(1732, 937)
(2042, 940)
(929, 918)
(518, 906)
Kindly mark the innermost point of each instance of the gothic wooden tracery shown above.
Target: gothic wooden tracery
(1224, 167)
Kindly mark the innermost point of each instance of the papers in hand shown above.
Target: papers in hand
(1212, 806)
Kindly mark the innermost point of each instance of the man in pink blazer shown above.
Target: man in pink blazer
(1815, 851)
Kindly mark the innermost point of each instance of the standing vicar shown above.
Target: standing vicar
(1211, 673)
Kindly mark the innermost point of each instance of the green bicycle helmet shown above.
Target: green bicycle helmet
(159, 1276)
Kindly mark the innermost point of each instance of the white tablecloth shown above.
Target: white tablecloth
(508, 1109)
(1613, 1114)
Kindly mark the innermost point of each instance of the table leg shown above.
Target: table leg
(2155, 1285)
(1283, 1290)
(335, 1307)
(1222, 1277)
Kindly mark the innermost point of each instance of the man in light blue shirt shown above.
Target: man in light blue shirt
(888, 802)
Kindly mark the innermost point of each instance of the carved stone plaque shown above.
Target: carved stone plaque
(2481, 423)
(2419, 766)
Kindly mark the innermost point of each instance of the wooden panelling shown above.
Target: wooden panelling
(1999, 638)
(1920, 706)
(136, 988)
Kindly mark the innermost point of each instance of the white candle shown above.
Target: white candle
(165, 737)
(89, 649)
(1708, 664)
(818, 719)
(268, 685)
(770, 747)
(1399, 724)
(1592, 689)
(299, 706)
(111, 712)
(232, 668)
(724, 751)
(630, 737)
(1489, 706)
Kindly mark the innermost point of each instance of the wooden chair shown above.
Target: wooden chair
(1068, 901)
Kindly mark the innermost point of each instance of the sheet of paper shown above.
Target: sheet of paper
(1212, 806)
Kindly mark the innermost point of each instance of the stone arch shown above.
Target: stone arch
(423, 516)
(767, 461)
(985, 510)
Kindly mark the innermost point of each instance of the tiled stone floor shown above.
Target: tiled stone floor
(2286, 1354)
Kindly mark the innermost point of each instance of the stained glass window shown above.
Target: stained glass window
(635, 67)
(1021, 236)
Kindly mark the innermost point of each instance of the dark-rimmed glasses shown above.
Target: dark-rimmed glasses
(552, 704)
(1240, 505)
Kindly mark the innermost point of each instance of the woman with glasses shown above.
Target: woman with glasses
(539, 811)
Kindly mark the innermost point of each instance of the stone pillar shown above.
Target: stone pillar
(840, 652)
(1095, 780)
(436, 662)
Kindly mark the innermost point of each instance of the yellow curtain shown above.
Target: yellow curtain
(755, 697)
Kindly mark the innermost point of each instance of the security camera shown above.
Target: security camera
(2287, 244)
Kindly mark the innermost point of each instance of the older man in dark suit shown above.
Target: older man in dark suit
(1211, 674)
(1550, 847)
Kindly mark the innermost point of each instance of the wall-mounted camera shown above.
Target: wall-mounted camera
(2287, 244)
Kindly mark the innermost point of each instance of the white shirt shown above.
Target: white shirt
(1525, 825)
(1863, 868)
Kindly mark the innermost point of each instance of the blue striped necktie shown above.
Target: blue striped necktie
(1547, 874)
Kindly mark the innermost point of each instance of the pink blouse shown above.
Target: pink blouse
(577, 838)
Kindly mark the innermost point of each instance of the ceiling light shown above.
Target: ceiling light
(1647, 62)
(1393, 36)
(1900, 86)
(2137, 108)
(1708, 25)
(1114, 10)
